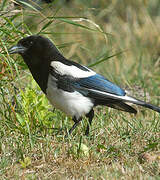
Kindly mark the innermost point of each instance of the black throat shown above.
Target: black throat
(39, 71)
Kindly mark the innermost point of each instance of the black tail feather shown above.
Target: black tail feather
(118, 102)
(123, 107)
(116, 105)
(147, 105)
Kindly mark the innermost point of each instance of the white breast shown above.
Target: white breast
(72, 103)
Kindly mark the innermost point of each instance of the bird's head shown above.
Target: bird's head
(35, 49)
(32, 44)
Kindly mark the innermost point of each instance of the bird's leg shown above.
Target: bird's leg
(90, 115)
(76, 122)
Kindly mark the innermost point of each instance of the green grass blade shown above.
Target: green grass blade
(80, 25)
(105, 58)
(3, 5)
(31, 6)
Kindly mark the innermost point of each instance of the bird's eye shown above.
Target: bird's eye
(27, 43)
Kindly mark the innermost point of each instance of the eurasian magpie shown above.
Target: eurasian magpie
(69, 86)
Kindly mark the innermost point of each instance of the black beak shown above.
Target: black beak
(17, 49)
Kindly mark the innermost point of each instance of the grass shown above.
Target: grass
(124, 38)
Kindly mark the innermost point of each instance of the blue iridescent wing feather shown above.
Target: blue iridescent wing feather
(98, 82)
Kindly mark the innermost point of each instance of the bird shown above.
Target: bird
(73, 88)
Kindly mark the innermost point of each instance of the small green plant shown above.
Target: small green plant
(34, 107)
(26, 162)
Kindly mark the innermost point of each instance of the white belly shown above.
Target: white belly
(72, 103)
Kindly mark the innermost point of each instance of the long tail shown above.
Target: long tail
(142, 103)
(104, 96)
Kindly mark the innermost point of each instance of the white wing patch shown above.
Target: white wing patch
(74, 71)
